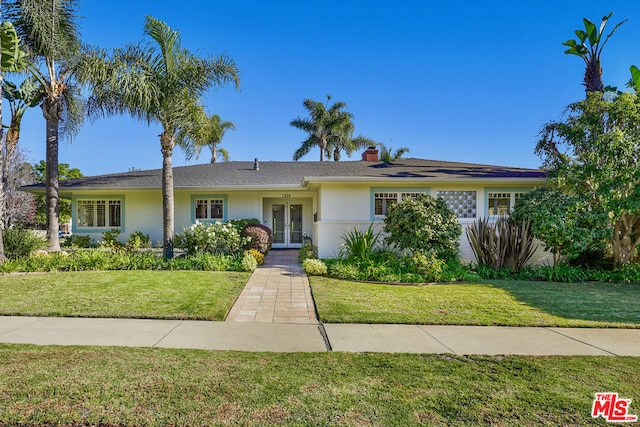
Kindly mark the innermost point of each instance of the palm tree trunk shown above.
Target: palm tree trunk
(214, 153)
(51, 109)
(2, 187)
(167, 145)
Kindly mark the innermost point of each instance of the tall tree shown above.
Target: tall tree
(158, 82)
(589, 47)
(49, 32)
(208, 131)
(325, 127)
(12, 58)
(595, 154)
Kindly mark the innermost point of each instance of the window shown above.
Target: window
(209, 209)
(383, 200)
(501, 203)
(99, 213)
(461, 203)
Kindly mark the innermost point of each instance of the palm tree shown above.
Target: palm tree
(208, 131)
(49, 33)
(387, 155)
(159, 82)
(589, 47)
(325, 127)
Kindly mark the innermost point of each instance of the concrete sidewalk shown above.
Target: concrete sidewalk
(277, 337)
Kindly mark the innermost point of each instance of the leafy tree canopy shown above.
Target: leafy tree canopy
(595, 152)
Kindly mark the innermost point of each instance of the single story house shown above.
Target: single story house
(321, 200)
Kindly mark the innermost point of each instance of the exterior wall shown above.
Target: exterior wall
(347, 206)
(141, 211)
(330, 212)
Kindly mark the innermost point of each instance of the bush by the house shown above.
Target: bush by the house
(423, 224)
(138, 240)
(564, 223)
(257, 255)
(78, 241)
(502, 244)
(314, 267)
(21, 243)
(213, 238)
(308, 252)
(110, 239)
(258, 237)
(249, 263)
(359, 244)
(428, 266)
(241, 223)
(97, 259)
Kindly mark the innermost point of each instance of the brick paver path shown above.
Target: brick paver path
(277, 292)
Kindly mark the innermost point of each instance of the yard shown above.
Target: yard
(197, 295)
(497, 302)
(53, 385)
(119, 386)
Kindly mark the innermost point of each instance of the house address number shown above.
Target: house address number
(286, 196)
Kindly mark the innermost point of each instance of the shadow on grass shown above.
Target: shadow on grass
(586, 301)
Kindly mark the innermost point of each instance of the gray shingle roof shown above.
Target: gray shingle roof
(296, 174)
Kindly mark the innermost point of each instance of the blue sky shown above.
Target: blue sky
(460, 81)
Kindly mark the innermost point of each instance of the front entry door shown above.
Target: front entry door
(287, 224)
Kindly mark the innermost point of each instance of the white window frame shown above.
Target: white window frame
(391, 194)
(106, 221)
(510, 196)
(208, 201)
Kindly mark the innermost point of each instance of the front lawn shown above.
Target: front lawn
(499, 302)
(136, 294)
(157, 387)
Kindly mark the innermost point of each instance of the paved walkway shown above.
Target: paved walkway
(275, 312)
(280, 337)
(277, 292)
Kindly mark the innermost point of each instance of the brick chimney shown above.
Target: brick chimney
(371, 155)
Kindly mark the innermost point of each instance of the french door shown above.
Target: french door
(286, 223)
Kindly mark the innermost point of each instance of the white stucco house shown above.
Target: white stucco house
(319, 199)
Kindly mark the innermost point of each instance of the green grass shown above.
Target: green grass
(506, 303)
(119, 386)
(136, 294)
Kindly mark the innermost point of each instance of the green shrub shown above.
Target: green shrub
(241, 223)
(21, 243)
(359, 244)
(308, 252)
(78, 241)
(213, 238)
(257, 255)
(628, 273)
(206, 262)
(249, 263)
(99, 259)
(423, 224)
(344, 270)
(258, 237)
(138, 240)
(110, 239)
(501, 244)
(314, 267)
(429, 267)
(564, 223)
